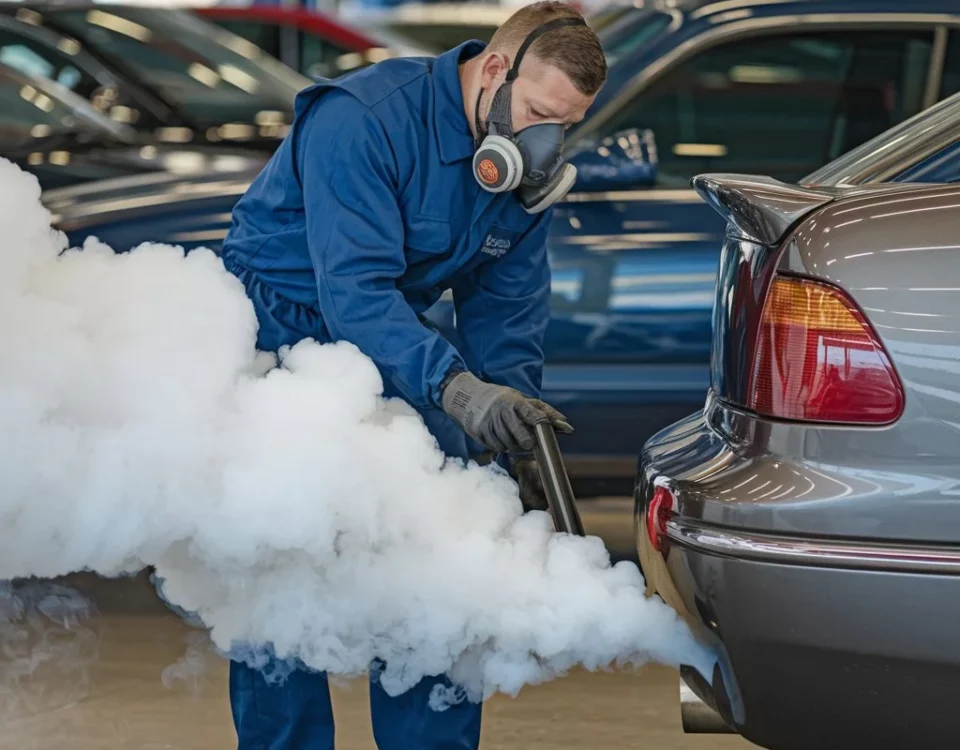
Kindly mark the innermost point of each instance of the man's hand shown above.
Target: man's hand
(500, 418)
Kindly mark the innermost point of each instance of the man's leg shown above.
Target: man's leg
(407, 722)
(295, 714)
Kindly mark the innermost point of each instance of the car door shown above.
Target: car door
(635, 269)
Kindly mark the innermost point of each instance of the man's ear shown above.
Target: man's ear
(494, 66)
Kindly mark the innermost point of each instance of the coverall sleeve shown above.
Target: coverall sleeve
(355, 234)
(503, 309)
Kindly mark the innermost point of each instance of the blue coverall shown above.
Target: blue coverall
(365, 215)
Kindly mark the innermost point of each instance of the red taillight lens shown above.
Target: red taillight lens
(659, 510)
(818, 359)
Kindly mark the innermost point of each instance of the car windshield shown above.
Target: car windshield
(213, 76)
(630, 31)
(606, 16)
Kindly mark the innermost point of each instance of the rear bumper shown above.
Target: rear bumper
(826, 643)
(708, 539)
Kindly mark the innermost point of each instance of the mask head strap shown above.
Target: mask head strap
(536, 34)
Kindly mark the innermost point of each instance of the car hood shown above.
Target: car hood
(141, 195)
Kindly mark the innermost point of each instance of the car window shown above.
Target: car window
(65, 65)
(35, 58)
(27, 113)
(321, 59)
(781, 105)
(215, 77)
(264, 34)
(943, 166)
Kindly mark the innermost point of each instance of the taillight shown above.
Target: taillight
(818, 359)
(659, 510)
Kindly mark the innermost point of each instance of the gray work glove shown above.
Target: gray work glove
(500, 418)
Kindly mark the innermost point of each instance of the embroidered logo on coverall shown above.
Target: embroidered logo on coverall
(496, 245)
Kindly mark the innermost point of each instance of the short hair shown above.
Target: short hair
(575, 50)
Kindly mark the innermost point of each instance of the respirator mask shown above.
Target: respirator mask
(530, 161)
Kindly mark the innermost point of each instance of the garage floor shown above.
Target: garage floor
(155, 686)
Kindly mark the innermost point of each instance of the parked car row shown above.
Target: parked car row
(58, 136)
(165, 73)
(769, 88)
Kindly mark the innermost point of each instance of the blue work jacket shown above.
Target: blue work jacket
(369, 211)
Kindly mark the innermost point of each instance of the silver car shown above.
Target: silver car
(807, 521)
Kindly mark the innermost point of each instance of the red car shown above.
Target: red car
(309, 41)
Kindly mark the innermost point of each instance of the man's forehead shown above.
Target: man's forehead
(554, 88)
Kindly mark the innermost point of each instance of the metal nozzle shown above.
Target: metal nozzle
(697, 716)
(556, 483)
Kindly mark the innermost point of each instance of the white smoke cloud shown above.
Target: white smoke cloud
(295, 507)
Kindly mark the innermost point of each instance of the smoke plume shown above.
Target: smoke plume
(288, 505)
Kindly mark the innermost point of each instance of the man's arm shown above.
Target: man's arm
(355, 234)
(503, 309)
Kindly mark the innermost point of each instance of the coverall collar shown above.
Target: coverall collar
(449, 119)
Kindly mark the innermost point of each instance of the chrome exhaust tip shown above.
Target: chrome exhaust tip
(697, 716)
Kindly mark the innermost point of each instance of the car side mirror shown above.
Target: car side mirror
(625, 160)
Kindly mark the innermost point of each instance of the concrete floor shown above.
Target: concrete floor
(134, 677)
(125, 701)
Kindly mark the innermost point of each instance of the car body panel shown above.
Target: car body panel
(821, 562)
(817, 663)
(827, 480)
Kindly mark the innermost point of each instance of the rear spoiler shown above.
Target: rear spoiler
(761, 208)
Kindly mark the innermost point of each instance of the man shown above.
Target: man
(396, 183)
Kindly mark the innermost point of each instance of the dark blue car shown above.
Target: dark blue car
(748, 86)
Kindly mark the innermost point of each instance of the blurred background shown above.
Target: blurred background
(147, 121)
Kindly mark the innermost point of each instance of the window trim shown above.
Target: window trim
(288, 39)
(755, 27)
(938, 61)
